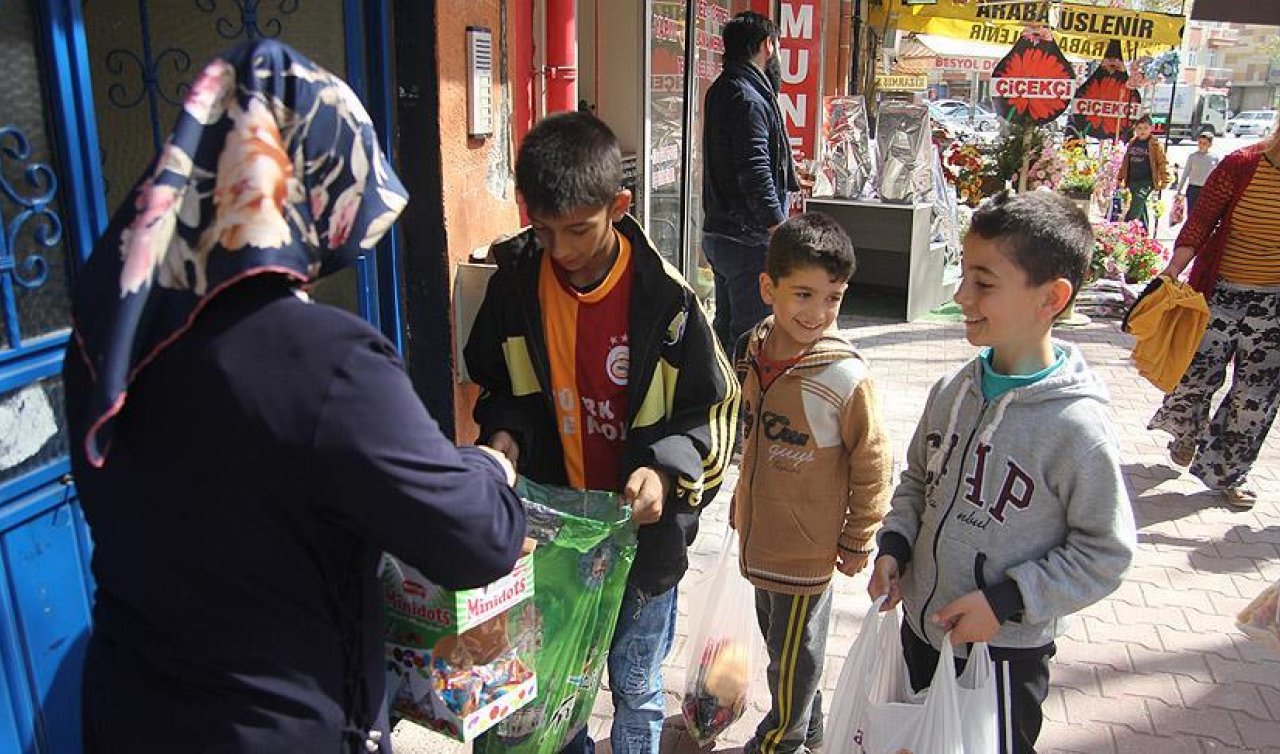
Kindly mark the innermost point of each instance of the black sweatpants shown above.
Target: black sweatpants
(1022, 684)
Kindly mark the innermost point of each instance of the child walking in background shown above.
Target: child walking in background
(815, 474)
(1012, 513)
(1199, 165)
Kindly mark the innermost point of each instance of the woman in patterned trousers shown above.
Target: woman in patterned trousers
(1233, 236)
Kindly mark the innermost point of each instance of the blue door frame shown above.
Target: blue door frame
(45, 582)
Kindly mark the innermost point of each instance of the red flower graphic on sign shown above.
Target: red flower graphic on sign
(1031, 72)
(1105, 103)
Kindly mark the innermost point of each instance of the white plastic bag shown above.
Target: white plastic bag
(874, 710)
(724, 649)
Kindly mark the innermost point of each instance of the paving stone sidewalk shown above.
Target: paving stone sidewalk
(1158, 667)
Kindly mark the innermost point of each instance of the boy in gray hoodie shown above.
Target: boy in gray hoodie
(1011, 514)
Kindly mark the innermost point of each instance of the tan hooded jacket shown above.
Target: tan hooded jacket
(816, 465)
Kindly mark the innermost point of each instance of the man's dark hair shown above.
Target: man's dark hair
(1043, 232)
(567, 162)
(811, 240)
(744, 34)
(1144, 118)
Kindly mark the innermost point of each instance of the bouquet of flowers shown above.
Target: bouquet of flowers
(963, 165)
(1048, 168)
(1082, 169)
(1124, 251)
(1107, 178)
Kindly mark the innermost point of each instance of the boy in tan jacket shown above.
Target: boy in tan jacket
(815, 473)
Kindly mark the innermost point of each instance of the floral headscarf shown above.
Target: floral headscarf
(273, 167)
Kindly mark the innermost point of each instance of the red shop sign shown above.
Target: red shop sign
(800, 24)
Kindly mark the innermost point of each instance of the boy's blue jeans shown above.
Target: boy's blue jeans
(646, 630)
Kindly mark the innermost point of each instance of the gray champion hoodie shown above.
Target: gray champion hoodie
(1027, 488)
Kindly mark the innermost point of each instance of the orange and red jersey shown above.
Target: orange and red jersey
(589, 353)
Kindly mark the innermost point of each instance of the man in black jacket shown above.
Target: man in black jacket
(748, 171)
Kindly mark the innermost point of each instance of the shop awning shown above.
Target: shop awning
(1237, 11)
(1080, 29)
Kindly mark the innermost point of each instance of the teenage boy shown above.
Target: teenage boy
(815, 469)
(600, 372)
(1144, 169)
(1012, 513)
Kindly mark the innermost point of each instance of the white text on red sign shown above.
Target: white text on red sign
(1033, 88)
(1106, 108)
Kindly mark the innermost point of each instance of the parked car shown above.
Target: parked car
(958, 111)
(1252, 123)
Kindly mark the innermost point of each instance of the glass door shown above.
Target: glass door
(683, 58)
(662, 183)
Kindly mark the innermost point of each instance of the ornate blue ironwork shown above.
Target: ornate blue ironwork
(33, 269)
(148, 65)
(249, 27)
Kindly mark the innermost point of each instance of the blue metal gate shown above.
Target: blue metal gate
(90, 88)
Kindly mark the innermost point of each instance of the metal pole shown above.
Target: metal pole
(686, 261)
(1168, 121)
(562, 56)
(856, 44)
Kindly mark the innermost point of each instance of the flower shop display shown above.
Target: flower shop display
(1035, 81)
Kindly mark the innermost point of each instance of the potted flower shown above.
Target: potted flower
(1082, 170)
(965, 167)
(1124, 251)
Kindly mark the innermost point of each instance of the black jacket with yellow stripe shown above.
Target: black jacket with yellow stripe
(682, 395)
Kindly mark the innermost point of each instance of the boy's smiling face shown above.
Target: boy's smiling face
(805, 301)
(581, 242)
(1002, 308)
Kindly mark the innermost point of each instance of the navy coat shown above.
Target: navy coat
(263, 462)
(747, 169)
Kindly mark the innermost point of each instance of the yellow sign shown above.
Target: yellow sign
(1080, 30)
(902, 83)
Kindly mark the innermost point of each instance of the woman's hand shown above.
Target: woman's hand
(503, 442)
(1182, 257)
(507, 469)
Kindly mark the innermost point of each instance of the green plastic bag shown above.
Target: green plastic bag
(586, 544)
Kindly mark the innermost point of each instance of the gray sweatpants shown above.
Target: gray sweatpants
(795, 633)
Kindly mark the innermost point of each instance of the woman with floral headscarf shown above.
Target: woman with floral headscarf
(243, 456)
